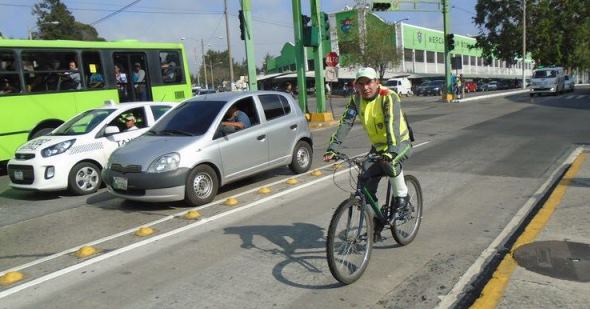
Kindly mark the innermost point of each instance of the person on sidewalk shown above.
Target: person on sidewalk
(380, 113)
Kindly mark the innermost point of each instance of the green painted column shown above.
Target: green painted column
(318, 58)
(299, 55)
(248, 41)
(446, 28)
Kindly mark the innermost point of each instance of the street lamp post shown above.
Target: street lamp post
(30, 29)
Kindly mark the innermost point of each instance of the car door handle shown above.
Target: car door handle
(293, 127)
(261, 137)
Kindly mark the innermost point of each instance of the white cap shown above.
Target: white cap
(366, 72)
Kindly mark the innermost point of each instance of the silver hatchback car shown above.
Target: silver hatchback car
(189, 154)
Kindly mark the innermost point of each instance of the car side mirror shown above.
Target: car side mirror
(111, 130)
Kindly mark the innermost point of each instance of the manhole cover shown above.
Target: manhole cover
(557, 259)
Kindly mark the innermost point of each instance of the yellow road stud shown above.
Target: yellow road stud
(85, 251)
(192, 215)
(316, 173)
(232, 201)
(11, 277)
(292, 181)
(264, 190)
(144, 231)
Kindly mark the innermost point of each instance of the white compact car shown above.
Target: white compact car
(73, 155)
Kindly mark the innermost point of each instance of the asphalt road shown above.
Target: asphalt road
(478, 162)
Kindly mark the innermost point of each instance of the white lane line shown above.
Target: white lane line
(570, 97)
(157, 237)
(447, 301)
(581, 96)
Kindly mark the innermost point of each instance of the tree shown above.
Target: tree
(380, 51)
(50, 11)
(557, 31)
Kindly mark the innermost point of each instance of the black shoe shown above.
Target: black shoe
(399, 205)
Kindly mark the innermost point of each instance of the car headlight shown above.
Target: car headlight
(57, 148)
(167, 162)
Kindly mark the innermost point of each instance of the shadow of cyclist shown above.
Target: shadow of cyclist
(303, 246)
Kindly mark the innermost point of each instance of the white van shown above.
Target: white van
(402, 86)
(548, 80)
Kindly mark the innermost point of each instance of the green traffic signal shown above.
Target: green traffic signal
(450, 41)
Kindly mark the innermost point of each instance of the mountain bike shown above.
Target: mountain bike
(350, 235)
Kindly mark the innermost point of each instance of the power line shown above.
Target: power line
(115, 12)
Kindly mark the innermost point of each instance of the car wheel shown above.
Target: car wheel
(302, 156)
(201, 186)
(84, 178)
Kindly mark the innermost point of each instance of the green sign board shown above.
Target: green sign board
(432, 40)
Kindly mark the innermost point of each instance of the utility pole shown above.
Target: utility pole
(197, 66)
(523, 42)
(231, 62)
(300, 60)
(204, 63)
(250, 58)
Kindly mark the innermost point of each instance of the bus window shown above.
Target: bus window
(51, 71)
(93, 70)
(9, 78)
(170, 67)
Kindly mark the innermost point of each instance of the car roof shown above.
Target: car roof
(232, 95)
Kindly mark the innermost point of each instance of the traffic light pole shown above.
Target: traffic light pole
(448, 95)
(248, 39)
(320, 89)
(299, 55)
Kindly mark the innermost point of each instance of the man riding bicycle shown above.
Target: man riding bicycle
(381, 115)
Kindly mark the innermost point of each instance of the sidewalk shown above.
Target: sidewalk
(549, 265)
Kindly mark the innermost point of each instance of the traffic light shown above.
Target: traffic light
(310, 34)
(450, 41)
(382, 5)
(326, 26)
(242, 25)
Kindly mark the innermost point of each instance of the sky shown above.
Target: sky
(196, 20)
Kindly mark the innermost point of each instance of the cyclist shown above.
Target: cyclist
(380, 113)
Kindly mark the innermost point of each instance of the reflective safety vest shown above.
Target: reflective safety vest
(382, 119)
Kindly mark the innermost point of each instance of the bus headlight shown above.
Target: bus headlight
(57, 148)
(167, 162)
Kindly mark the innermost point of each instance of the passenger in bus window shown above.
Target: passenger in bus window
(138, 79)
(71, 79)
(7, 87)
(121, 79)
(96, 79)
(169, 72)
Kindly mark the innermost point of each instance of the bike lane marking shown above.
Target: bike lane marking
(494, 289)
(11, 290)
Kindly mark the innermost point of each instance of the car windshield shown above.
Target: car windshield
(437, 83)
(190, 118)
(391, 83)
(83, 123)
(545, 74)
(425, 84)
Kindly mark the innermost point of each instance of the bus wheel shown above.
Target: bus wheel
(41, 132)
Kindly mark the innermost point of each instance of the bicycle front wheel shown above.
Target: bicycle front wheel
(407, 220)
(350, 240)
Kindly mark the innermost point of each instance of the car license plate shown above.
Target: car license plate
(18, 175)
(120, 183)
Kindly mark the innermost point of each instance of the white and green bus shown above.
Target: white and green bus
(43, 83)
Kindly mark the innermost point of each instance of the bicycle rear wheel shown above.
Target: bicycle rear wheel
(407, 221)
(350, 240)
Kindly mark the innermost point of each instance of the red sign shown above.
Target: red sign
(332, 59)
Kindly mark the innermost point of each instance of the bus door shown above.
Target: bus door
(132, 77)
